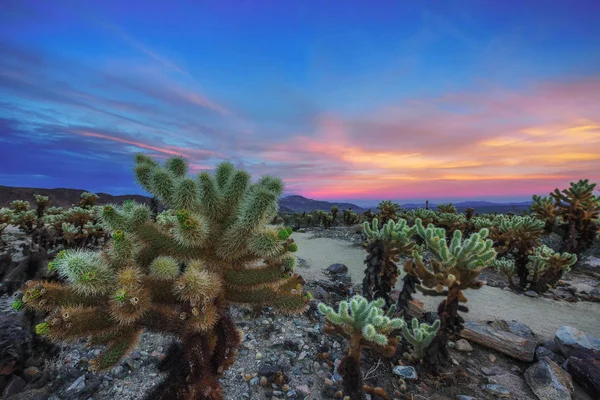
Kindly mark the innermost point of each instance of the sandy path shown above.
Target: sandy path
(543, 316)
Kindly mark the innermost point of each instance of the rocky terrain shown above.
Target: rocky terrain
(290, 358)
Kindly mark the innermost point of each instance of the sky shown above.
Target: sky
(349, 100)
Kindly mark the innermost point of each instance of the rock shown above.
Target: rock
(337, 269)
(463, 397)
(542, 352)
(531, 293)
(549, 381)
(267, 370)
(511, 338)
(15, 385)
(78, 385)
(463, 345)
(303, 390)
(586, 372)
(320, 293)
(302, 355)
(492, 371)
(31, 372)
(572, 341)
(492, 358)
(405, 372)
(496, 390)
(518, 388)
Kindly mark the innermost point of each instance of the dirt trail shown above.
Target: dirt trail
(543, 316)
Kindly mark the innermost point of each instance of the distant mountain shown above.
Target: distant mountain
(61, 197)
(301, 204)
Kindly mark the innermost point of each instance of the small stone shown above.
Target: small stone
(492, 358)
(291, 394)
(78, 385)
(31, 372)
(491, 371)
(285, 388)
(336, 345)
(463, 397)
(451, 345)
(258, 356)
(247, 377)
(463, 345)
(328, 382)
(531, 293)
(302, 356)
(264, 381)
(254, 381)
(303, 390)
(496, 390)
(405, 372)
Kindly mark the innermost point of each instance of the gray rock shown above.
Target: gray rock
(405, 372)
(572, 341)
(463, 397)
(463, 345)
(511, 338)
(586, 372)
(320, 293)
(542, 352)
(549, 381)
(496, 390)
(531, 293)
(337, 269)
(492, 371)
(302, 355)
(78, 385)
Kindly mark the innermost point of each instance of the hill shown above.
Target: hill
(63, 197)
(301, 204)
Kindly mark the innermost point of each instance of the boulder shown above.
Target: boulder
(575, 342)
(586, 372)
(549, 381)
(511, 338)
(337, 269)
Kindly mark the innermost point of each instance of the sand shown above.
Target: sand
(543, 316)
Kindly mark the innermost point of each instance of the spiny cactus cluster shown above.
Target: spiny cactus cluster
(384, 246)
(388, 210)
(176, 275)
(363, 324)
(420, 336)
(579, 208)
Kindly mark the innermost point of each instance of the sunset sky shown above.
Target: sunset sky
(360, 101)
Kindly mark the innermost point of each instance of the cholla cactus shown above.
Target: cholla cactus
(388, 210)
(177, 278)
(20, 206)
(518, 235)
(350, 217)
(452, 222)
(6, 218)
(425, 215)
(363, 323)
(458, 263)
(88, 200)
(546, 267)
(480, 222)
(544, 209)
(448, 208)
(384, 247)
(420, 336)
(579, 208)
(507, 267)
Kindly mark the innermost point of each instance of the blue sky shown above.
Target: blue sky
(345, 100)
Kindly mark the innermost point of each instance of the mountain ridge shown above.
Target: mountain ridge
(65, 197)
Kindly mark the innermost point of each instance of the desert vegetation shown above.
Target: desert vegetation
(107, 274)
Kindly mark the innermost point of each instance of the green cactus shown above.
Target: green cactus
(384, 247)
(363, 324)
(388, 210)
(507, 267)
(448, 208)
(546, 267)
(177, 275)
(579, 208)
(420, 336)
